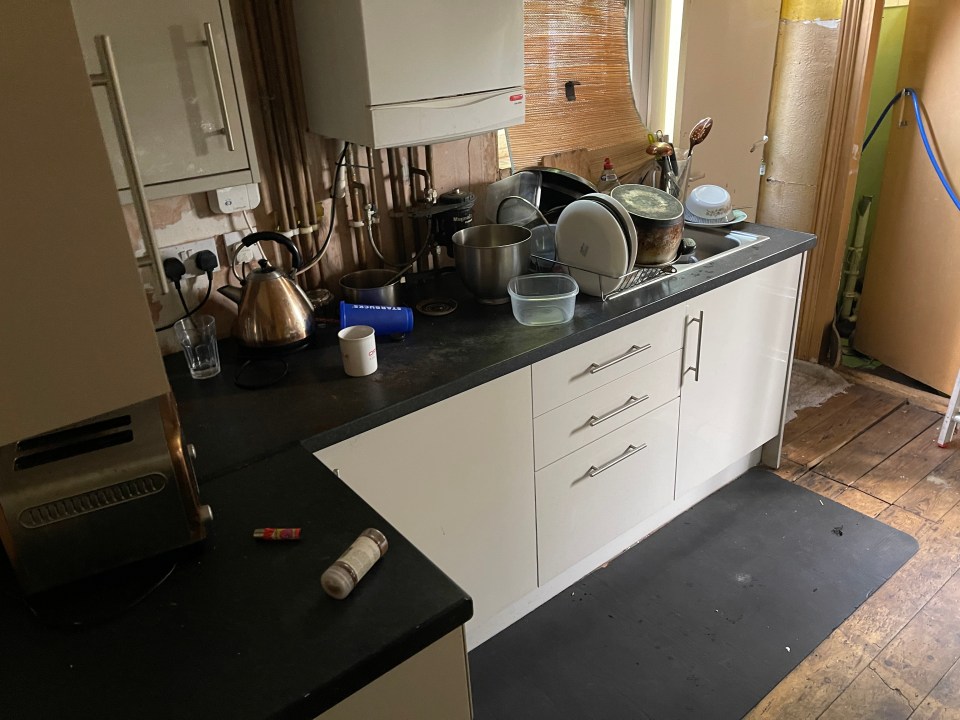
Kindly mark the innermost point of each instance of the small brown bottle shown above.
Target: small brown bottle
(342, 577)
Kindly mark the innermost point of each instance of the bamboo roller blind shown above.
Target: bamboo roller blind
(584, 41)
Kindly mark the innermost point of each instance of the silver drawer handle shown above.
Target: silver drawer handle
(631, 450)
(215, 64)
(632, 402)
(634, 350)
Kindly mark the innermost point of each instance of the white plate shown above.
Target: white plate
(591, 237)
(738, 217)
(632, 241)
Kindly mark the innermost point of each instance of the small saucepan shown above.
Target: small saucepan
(371, 287)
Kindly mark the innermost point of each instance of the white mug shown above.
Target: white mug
(358, 348)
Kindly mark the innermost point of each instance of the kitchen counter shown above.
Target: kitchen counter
(317, 405)
(240, 629)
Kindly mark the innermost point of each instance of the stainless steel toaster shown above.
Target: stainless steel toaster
(98, 494)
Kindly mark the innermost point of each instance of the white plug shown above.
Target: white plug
(243, 254)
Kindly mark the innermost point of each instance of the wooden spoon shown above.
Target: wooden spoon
(699, 132)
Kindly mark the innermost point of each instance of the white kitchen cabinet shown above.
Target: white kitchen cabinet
(590, 497)
(737, 352)
(184, 100)
(456, 478)
(589, 417)
(432, 685)
(586, 367)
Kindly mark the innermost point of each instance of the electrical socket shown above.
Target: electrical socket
(232, 243)
(185, 253)
(242, 254)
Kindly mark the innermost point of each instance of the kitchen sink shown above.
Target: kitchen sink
(715, 243)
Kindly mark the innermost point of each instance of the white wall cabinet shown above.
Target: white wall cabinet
(185, 104)
(456, 478)
(738, 342)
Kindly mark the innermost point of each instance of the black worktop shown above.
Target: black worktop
(317, 405)
(240, 628)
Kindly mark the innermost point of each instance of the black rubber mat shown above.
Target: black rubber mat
(700, 620)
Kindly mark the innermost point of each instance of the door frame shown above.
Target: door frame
(846, 124)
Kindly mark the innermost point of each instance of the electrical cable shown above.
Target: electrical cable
(183, 300)
(377, 250)
(923, 136)
(880, 119)
(926, 145)
(62, 622)
(333, 214)
(188, 313)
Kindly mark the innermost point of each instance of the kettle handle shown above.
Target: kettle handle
(277, 238)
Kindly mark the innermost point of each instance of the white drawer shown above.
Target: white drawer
(588, 417)
(586, 367)
(592, 496)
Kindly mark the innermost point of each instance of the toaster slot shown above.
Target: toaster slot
(73, 441)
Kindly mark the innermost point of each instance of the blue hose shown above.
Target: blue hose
(923, 136)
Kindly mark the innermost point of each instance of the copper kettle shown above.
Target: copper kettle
(274, 313)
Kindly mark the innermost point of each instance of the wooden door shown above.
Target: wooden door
(727, 72)
(742, 339)
(169, 86)
(907, 318)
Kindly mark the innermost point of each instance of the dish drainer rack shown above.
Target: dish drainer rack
(622, 284)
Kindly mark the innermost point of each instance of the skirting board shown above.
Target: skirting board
(478, 635)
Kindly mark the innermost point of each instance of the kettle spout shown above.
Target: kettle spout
(234, 293)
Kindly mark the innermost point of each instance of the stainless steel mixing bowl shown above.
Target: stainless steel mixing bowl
(487, 256)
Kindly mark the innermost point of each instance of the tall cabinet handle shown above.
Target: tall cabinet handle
(631, 450)
(109, 80)
(695, 368)
(215, 64)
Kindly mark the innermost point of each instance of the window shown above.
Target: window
(577, 78)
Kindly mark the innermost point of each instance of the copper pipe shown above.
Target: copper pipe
(357, 189)
(268, 122)
(412, 172)
(375, 202)
(285, 183)
(294, 135)
(428, 170)
(398, 211)
(292, 177)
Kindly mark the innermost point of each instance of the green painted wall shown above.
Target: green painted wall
(881, 90)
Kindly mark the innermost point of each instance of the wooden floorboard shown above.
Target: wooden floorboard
(943, 702)
(905, 468)
(861, 502)
(809, 417)
(790, 470)
(898, 655)
(935, 495)
(821, 485)
(841, 427)
(865, 452)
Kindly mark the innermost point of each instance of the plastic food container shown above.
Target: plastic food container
(544, 299)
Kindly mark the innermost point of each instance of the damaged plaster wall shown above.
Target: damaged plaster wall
(807, 48)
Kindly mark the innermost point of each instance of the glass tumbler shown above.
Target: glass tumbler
(198, 337)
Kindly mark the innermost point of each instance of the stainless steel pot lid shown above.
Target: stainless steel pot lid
(653, 205)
